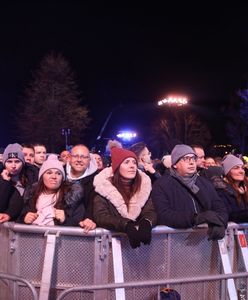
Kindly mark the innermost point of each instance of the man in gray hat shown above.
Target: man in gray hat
(183, 199)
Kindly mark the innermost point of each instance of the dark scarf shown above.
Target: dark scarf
(188, 181)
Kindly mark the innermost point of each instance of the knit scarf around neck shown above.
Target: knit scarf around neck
(188, 181)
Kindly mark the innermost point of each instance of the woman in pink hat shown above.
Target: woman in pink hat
(52, 201)
(123, 199)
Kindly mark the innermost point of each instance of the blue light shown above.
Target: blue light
(126, 135)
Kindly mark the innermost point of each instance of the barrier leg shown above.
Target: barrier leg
(227, 269)
(47, 267)
(242, 243)
(101, 265)
(243, 247)
(118, 267)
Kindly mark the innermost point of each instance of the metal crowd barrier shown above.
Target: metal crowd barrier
(65, 263)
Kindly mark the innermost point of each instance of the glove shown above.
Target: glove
(209, 217)
(145, 231)
(215, 232)
(133, 235)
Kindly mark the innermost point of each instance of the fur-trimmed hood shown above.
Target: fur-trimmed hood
(104, 187)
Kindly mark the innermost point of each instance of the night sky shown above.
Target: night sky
(132, 56)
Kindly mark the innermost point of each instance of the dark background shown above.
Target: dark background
(126, 55)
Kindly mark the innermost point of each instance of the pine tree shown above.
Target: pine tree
(51, 103)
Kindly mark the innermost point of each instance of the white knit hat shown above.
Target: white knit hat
(166, 160)
(52, 162)
(230, 161)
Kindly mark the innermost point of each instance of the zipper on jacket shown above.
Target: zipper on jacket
(194, 205)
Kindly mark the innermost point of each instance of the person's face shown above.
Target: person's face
(99, 161)
(64, 156)
(52, 179)
(13, 166)
(209, 162)
(79, 159)
(200, 157)
(39, 154)
(186, 166)
(237, 173)
(145, 156)
(28, 155)
(128, 168)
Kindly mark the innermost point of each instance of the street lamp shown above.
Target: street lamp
(66, 132)
(177, 101)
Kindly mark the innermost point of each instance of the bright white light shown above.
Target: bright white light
(126, 135)
(177, 101)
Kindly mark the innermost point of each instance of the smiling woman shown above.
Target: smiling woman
(233, 190)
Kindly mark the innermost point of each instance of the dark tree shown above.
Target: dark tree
(176, 127)
(237, 120)
(52, 102)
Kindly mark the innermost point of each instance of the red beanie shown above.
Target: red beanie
(118, 155)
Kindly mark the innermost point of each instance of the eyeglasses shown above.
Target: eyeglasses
(189, 158)
(77, 156)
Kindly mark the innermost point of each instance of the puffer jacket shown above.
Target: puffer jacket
(72, 205)
(11, 202)
(110, 209)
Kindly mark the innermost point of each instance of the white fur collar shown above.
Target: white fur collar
(104, 187)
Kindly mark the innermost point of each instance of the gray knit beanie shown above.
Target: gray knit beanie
(52, 162)
(179, 151)
(13, 151)
(230, 161)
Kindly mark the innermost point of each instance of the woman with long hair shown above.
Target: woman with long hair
(233, 189)
(123, 199)
(52, 201)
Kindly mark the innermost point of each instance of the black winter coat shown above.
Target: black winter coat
(11, 202)
(176, 206)
(72, 205)
(238, 213)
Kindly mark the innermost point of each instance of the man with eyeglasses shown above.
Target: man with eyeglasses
(81, 169)
(183, 199)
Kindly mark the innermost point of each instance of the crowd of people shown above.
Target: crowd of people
(131, 195)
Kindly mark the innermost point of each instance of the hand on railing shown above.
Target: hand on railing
(87, 225)
(30, 217)
(4, 218)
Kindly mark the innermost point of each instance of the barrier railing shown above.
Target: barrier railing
(65, 263)
(20, 280)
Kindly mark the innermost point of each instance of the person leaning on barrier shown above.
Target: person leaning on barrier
(12, 183)
(81, 169)
(183, 199)
(233, 189)
(123, 203)
(52, 201)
